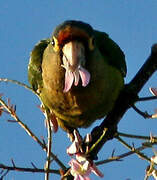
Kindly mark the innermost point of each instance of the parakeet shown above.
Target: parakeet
(78, 73)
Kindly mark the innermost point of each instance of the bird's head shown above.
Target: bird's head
(73, 39)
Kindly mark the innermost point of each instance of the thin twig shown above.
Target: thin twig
(49, 144)
(143, 114)
(97, 142)
(136, 136)
(115, 158)
(12, 161)
(30, 133)
(4, 174)
(18, 83)
(33, 165)
(136, 150)
(113, 152)
(33, 170)
(24, 126)
(147, 98)
(119, 157)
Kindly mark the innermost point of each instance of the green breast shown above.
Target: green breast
(81, 105)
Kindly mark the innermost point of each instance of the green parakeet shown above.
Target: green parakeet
(78, 74)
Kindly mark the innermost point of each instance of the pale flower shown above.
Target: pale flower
(81, 169)
(154, 174)
(153, 91)
(75, 146)
(151, 170)
(154, 159)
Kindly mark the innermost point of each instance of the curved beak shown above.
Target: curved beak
(73, 59)
(73, 55)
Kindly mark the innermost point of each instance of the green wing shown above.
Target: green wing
(110, 49)
(34, 67)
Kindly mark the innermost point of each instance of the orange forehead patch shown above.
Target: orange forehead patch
(70, 33)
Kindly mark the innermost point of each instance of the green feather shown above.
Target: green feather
(34, 67)
(108, 48)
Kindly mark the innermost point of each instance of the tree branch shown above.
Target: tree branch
(33, 170)
(18, 83)
(119, 157)
(143, 75)
(48, 161)
(147, 98)
(143, 114)
(137, 136)
(127, 97)
(141, 155)
(12, 112)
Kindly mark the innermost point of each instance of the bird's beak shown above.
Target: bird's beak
(73, 55)
(73, 62)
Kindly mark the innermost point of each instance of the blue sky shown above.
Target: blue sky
(132, 24)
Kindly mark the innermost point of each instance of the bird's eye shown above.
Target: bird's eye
(53, 42)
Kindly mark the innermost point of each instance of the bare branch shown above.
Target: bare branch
(4, 174)
(150, 98)
(143, 114)
(22, 169)
(12, 161)
(33, 165)
(141, 155)
(48, 161)
(136, 136)
(30, 133)
(127, 97)
(120, 157)
(18, 83)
